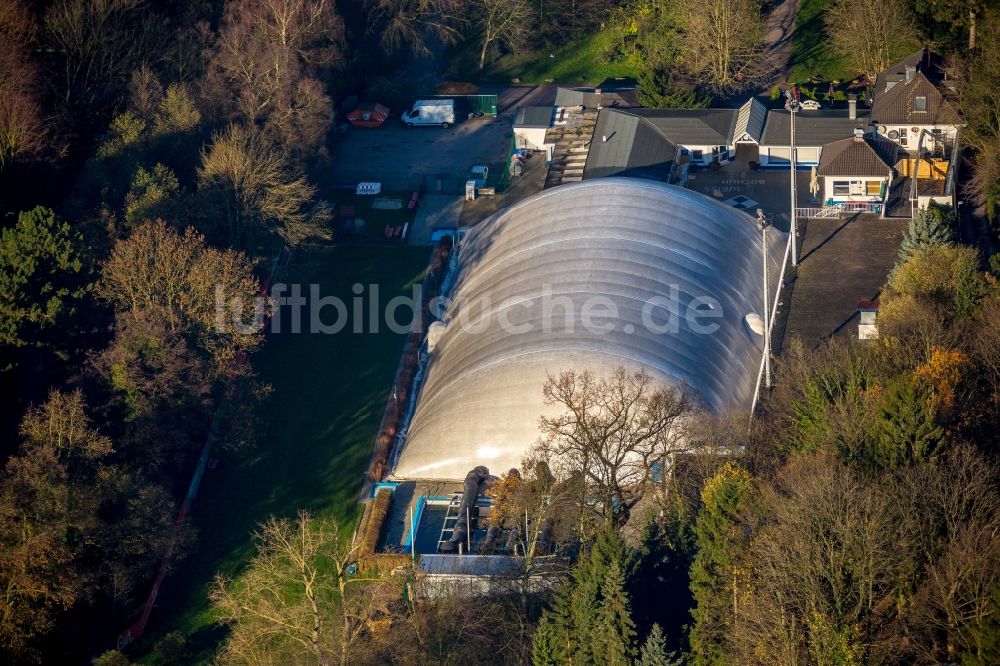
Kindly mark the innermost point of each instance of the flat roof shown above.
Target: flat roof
(534, 117)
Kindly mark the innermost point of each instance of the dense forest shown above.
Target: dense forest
(151, 150)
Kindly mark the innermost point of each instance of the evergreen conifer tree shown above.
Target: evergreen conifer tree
(934, 225)
(614, 634)
(907, 428)
(545, 642)
(654, 650)
(719, 570)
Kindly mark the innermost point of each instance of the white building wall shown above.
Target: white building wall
(777, 156)
(859, 189)
(531, 138)
(908, 138)
(724, 153)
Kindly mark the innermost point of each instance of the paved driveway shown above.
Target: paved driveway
(401, 158)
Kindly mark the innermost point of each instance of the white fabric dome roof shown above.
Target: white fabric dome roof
(624, 241)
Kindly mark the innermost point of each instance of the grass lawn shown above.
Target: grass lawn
(580, 61)
(374, 218)
(319, 422)
(812, 52)
(813, 55)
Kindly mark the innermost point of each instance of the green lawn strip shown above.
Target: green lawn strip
(320, 423)
(583, 60)
(812, 52)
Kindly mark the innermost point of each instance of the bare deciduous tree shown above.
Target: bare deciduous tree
(271, 56)
(156, 270)
(827, 557)
(411, 23)
(615, 432)
(868, 33)
(287, 606)
(96, 44)
(503, 24)
(723, 43)
(22, 126)
(253, 192)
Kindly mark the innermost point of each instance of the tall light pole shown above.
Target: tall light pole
(763, 224)
(793, 106)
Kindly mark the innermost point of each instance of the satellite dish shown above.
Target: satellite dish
(755, 323)
(893, 134)
(881, 129)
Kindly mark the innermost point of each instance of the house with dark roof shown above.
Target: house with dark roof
(900, 148)
(646, 142)
(813, 131)
(858, 169)
(910, 107)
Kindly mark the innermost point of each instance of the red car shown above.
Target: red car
(368, 114)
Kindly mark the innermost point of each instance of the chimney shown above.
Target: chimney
(911, 71)
(852, 106)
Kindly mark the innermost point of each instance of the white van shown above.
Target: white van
(439, 112)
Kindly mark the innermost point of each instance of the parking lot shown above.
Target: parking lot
(433, 157)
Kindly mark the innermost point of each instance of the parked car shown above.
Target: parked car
(368, 114)
(478, 175)
(440, 112)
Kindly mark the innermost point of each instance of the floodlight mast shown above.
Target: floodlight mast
(763, 224)
(793, 107)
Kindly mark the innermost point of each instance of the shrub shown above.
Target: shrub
(374, 528)
(384, 563)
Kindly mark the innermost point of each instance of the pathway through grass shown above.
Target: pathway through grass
(320, 422)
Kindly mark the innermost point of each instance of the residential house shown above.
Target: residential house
(910, 108)
(858, 170)
(647, 142)
(899, 152)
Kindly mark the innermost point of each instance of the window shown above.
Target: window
(723, 152)
(857, 187)
(684, 151)
(920, 103)
(778, 156)
(696, 155)
(902, 136)
(841, 188)
(873, 188)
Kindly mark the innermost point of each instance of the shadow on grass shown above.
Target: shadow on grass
(319, 425)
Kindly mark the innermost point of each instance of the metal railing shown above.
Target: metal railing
(836, 210)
